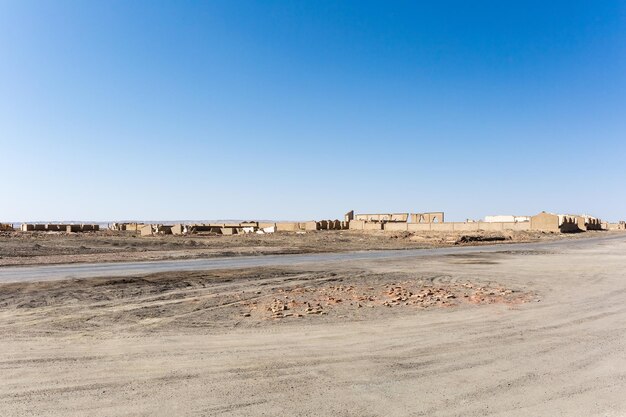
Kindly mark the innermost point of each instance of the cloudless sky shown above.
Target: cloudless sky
(307, 109)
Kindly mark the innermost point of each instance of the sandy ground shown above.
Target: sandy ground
(510, 333)
(36, 248)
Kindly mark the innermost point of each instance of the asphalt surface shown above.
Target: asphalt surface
(93, 270)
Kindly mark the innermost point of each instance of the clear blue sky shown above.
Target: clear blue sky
(306, 109)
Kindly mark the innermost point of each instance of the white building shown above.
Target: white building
(506, 219)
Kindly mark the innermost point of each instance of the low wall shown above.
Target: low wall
(62, 227)
(132, 227)
(287, 227)
(545, 222)
(178, 229)
(418, 227)
(372, 226)
(522, 226)
(452, 227)
(492, 226)
(466, 227)
(442, 227)
(397, 227)
(363, 225)
(356, 225)
(51, 227)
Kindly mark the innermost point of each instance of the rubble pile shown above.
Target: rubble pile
(299, 302)
(425, 297)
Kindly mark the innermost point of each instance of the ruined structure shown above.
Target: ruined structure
(621, 225)
(382, 218)
(242, 228)
(54, 227)
(392, 221)
(593, 223)
(433, 217)
(564, 223)
(127, 227)
(6, 227)
(155, 229)
(434, 221)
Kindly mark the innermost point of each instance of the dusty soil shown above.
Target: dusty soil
(35, 248)
(224, 299)
(509, 333)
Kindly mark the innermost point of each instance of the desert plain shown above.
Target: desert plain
(332, 323)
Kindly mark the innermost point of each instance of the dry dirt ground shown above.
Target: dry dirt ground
(60, 248)
(224, 299)
(509, 333)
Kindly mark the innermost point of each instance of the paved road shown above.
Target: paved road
(80, 271)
